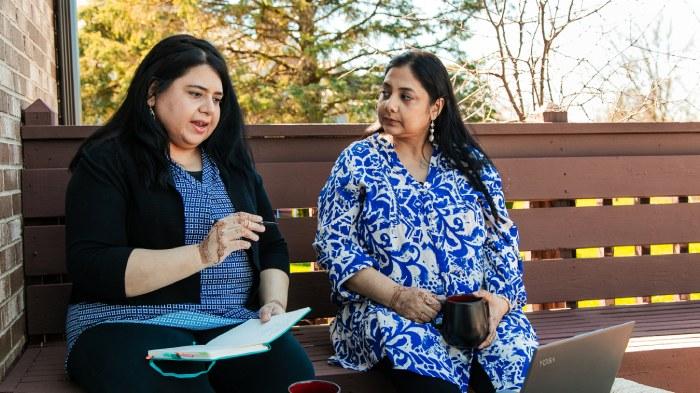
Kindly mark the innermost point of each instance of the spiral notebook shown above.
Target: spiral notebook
(248, 338)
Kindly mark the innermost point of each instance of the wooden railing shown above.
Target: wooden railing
(539, 162)
(547, 168)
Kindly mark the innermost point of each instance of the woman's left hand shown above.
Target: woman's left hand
(498, 307)
(270, 308)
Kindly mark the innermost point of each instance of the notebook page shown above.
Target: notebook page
(254, 332)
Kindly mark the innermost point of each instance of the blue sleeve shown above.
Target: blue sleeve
(337, 243)
(504, 268)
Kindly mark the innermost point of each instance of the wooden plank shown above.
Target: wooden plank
(44, 250)
(650, 324)
(44, 246)
(651, 320)
(289, 185)
(252, 130)
(591, 145)
(56, 132)
(648, 328)
(46, 308)
(44, 192)
(294, 185)
(40, 370)
(499, 140)
(587, 139)
(299, 234)
(669, 128)
(674, 370)
(601, 177)
(571, 227)
(311, 289)
(21, 367)
(479, 129)
(298, 185)
(305, 130)
(610, 277)
(55, 153)
(302, 149)
(640, 344)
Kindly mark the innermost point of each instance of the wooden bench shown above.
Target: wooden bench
(550, 164)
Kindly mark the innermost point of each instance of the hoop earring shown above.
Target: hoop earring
(431, 138)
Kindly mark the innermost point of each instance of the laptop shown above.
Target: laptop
(585, 363)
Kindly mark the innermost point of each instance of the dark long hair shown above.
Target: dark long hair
(451, 134)
(145, 137)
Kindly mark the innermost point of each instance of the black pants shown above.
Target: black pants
(410, 382)
(111, 358)
(479, 381)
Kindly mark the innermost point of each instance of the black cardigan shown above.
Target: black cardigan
(110, 211)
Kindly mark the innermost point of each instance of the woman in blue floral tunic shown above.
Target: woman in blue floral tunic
(411, 214)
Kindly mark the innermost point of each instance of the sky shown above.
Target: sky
(589, 53)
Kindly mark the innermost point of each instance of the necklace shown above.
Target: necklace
(423, 163)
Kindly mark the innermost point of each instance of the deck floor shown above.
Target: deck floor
(661, 327)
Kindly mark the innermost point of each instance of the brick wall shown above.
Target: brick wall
(27, 72)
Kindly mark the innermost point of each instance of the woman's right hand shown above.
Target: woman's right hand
(231, 233)
(415, 304)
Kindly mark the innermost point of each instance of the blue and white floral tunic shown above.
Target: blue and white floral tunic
(438, 235)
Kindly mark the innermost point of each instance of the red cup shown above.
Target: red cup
(314, 386)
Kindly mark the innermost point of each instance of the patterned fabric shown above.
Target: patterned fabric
(438, 235)
(224, 287)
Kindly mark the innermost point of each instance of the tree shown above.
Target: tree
(115, 35)
(473, 93)
(318, 60)
(651, 78)
(526, 34)
(291, 60)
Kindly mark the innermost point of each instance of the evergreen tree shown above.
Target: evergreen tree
(291, 60)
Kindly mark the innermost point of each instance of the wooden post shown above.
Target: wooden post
(36, 114)
(549, 113)
(39, 114)
(555, 115)
(552, 113)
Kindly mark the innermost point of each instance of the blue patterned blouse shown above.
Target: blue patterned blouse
(224, 287)
(438, 235)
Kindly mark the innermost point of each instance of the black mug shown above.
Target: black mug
(465, 321)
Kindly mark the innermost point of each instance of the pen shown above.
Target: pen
(268, 222)
(192, 354)
(165, 355)
(178, 355)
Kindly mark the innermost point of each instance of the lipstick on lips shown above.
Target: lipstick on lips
(200, 126)
(389, 122)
